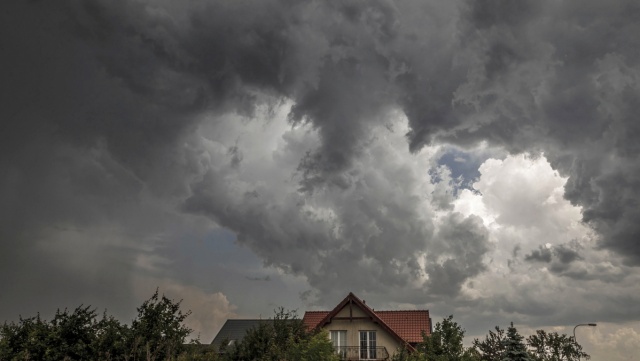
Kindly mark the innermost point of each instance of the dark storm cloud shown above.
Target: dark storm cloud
(542, 254)
(342, 66)
(266, 278)
(562, 255)
(565, 254)
(561, 78)
(565, 260)
(102, 101)
(559, 258)
(89, 126)
(373, 240)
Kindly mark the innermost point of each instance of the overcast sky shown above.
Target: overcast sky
(474, 158)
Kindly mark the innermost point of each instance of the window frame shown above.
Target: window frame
(368, 345)
(338, 346)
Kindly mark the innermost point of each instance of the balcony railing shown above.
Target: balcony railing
(362, 353)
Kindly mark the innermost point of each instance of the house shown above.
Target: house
(358, 332)
(233, 331)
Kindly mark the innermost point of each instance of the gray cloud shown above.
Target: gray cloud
(266, 278)
(555, 92)
(365, 234)
(542, 254)
(566, 255)
(116, 119)
(560, 257)
(464, 242)
(524, 80)
(565, 260)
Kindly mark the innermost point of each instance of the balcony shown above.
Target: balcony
(362, 353)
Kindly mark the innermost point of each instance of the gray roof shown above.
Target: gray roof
(235, 330)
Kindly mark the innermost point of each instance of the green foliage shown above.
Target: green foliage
(445, 343)
(72, 335)
(69, 336)
(492, 347)
(515, 349)
(156, 334)
(256, 345)
(24, 340)
(111, 339)
(553, 347)
(315, 348)
(195, 351)
(542, 346)
(403, 354)
(284, 339)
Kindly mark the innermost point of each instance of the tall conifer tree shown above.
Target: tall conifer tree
(515, 349)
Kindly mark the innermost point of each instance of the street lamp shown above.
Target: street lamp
(574, 331)
(582, 324)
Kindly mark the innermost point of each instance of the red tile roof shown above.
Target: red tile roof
(406, 324)
(311, 319)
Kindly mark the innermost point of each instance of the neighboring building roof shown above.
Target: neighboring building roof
(235, 330)
(406, 326)
(311, 319)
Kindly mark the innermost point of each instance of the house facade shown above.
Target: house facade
(358, 332)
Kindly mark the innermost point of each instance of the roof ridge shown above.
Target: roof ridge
(374, 310)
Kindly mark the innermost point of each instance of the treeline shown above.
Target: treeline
(284, 339)
(446, 344)
(158, 334)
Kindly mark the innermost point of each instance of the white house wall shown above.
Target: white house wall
(353, 328)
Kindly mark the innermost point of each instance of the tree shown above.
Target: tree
(69, 336)
(445, 343)
(158, 333)
(315, 348)
(72, 335)
(542, 346)
(256, 345)
(283, 339)
(403, 354)
(24, 340)
(554, 347)
(492, 347)
(111, 342)
(196, 351)
(515, 349)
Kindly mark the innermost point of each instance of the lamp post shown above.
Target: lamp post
(582, 324)
(574, 331)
